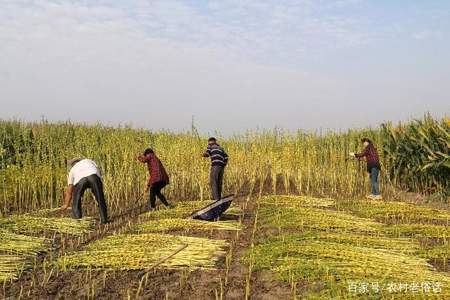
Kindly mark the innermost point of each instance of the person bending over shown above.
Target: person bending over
(84, 174)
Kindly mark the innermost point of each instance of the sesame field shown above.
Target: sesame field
(299, 226)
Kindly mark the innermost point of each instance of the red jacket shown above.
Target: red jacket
(155, 169)
(371, 154)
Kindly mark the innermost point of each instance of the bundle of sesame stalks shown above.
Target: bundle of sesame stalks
(397, 212)
(193, 205)
(144, 251)
(307, 217)
(11, 266)
(22, 244)
(165, 225)
(17, 252)
(420, 230)
(303, 201)
(439, 252)
(34, 224)
(343, 258)
(319, 246)
(379, 241)
(45, 212)
(330, 259)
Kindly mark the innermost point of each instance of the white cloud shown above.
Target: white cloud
(284, 31)
(428, 34)
(158, 62)
(65, 61)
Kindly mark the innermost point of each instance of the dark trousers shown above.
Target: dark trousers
(216, 181)
(155, 191)
(94, 183)
(374, 172)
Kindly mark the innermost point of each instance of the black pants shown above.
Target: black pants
(216, 181)
(155, 191)
(94, 183)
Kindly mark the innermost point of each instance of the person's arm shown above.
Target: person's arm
(225, 157)
(142, 158)
(148, 160)
(362, 154)
(207, 153)
(68, 197)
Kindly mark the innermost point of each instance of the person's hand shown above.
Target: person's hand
(65, 207)
(352, 154)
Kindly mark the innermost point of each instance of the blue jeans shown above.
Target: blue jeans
(374, 172)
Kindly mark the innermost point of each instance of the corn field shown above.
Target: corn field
(418, 154)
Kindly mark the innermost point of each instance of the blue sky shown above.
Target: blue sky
(234, 65)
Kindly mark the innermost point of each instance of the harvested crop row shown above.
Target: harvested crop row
(165, 225)
(340, 263)
(392, 212)
(427, 225)
(330, 249)
(313, 218)
(420, 230)
(141, 251)
(18, 250)
(303, 201)
(22, 244)
(11, 265)
(379, 241)
(35, 224)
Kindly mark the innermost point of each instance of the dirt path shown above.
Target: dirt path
(237, 280)
(242, 281)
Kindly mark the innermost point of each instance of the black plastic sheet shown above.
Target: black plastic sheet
(213, 210)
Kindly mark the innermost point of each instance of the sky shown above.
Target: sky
(232, 64)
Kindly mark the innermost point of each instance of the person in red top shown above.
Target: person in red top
(158, 177)
(373, 166)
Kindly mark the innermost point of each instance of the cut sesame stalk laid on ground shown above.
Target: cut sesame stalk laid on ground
(11, 265)
(304, 201)
(22, 244)
(17, 252)
(34, 224)
(184, 224)
(328, 248)
(141, 251)
(394, 212)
